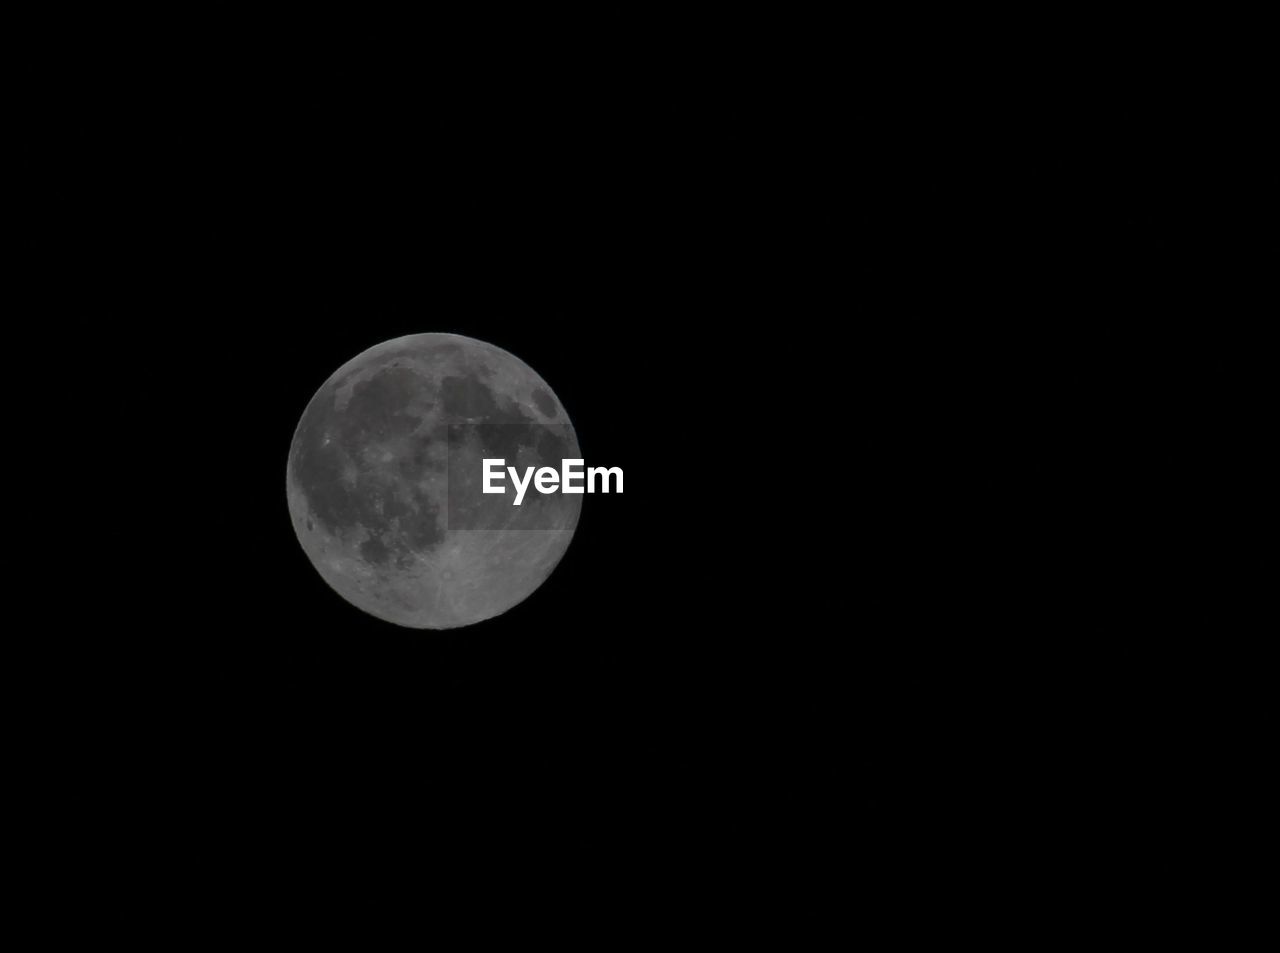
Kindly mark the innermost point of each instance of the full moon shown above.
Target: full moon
(385, 481)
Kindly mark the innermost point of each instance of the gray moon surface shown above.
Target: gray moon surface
(384, 481)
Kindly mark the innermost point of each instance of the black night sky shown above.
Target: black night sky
(878, 384)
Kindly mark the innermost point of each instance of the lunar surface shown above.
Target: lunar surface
(385, 477)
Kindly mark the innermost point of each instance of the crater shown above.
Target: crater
(546, 403)
(375, 551)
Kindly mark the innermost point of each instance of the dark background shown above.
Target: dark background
(881, 367)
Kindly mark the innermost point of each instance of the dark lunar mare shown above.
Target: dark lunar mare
(501, 427)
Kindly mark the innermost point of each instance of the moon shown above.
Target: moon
(385, 481)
